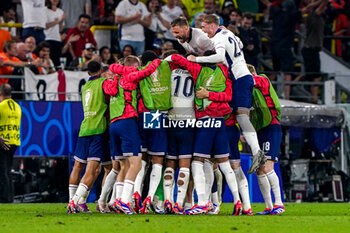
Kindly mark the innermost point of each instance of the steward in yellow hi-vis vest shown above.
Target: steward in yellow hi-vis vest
(10, 120)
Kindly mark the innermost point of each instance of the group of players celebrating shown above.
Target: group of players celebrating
(209, 99)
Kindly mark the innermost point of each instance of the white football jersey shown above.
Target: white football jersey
(228, 49)
(182, 95)
(198, 42)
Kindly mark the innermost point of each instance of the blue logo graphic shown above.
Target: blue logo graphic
(152, 120)
(49, 128)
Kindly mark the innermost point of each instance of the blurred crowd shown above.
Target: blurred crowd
(56, 33)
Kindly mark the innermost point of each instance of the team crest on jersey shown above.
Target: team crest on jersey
(154, 76)
(209, 81)
(87, 97)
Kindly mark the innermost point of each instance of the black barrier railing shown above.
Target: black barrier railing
(299, 91)
(12, 76)
(298, 85)
(337, 37)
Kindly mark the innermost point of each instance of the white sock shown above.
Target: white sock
(215, 198)
(275, 186)
(218, 175)
(127, 191)
(182, 189)
(72, 189)
(140, 177)
(243, 187)
(160, 204)
(113, 195)
(209, 177)
(84, 198)
(108, 185)
(188, 205)
(249, 132)
(230, 176)
(172, 192)
(156, 175)
(119, 189)
(168, 184)
(81, 191)
(199, 181)
(265, 189)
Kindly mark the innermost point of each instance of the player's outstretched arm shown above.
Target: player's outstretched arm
(192, 67)
(110, 87)
(121, 70)
(215, 58)
(141, 74)
(129, 82)
(173, 65)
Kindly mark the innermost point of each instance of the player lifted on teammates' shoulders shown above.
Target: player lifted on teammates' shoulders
(228, 50)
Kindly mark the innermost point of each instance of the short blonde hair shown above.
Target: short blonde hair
(211, 19)
(131, 59)
(251, 69)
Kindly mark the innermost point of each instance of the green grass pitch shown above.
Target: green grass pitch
(304, 217)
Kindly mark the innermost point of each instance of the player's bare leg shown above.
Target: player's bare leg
(189, 200)
(130, 176)
(183, 181)
(219, 180)
(242, 183)
(209, 178)
(116, 167)
(137, 199)
(168, 181)
(156, 175)
(198, 174)
(214, 194)
(230, 177)
(107, 168)
(251, 137)
(107, 186)
(84, 186)
(82, 201)
(74, 178)
(268, 180)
